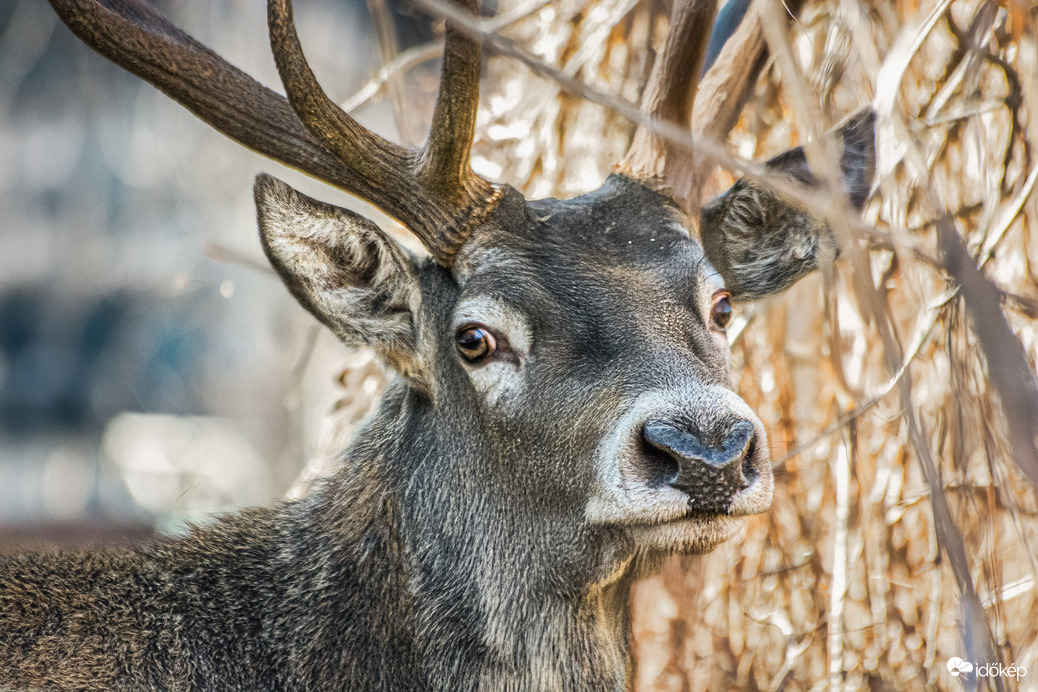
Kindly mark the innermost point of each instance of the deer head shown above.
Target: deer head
(564, 403)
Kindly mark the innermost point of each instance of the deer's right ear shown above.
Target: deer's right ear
(762, 243)
(344, 269)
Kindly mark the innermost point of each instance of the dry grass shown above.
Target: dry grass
(890, 393)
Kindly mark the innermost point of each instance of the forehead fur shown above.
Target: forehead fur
(622, 224)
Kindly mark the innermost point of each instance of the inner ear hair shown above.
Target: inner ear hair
(762, 243)
(343, 269)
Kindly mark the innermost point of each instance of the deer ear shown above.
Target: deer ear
(342, 268)
(762, 243)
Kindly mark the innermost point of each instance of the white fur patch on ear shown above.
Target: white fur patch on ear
(342, 268)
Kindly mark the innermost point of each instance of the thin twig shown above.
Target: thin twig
(219, 252)
(409, 59)
(389, 51)
(416, 55)
(1006, 218)
(978, 638)
(921, 335)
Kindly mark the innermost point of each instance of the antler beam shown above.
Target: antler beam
(432, 191)
(134, 36)
(671, 90)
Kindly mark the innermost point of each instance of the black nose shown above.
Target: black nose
(711, 475)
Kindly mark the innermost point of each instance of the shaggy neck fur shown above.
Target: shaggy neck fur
(473, 618)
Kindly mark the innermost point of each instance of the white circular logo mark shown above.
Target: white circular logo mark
(957, 667)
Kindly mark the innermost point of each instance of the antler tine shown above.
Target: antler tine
(432, 191)
(381, 167)
(357, 148)
(670, 93)
(445, 157)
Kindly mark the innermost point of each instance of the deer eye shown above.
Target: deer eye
(475, 343)
(721, 309)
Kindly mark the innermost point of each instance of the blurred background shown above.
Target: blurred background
(152, 370)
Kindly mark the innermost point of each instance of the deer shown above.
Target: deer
(562, 417)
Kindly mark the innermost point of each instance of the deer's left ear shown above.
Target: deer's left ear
(763, 244)
(343, 269)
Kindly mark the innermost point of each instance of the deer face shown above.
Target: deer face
(571, 366)
(602, 373)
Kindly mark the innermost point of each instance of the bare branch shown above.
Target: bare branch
(979, 642)
(711, 110)
(1008, 368)
(677, 136)
(415, 56)
(389, 51)
(418, 54)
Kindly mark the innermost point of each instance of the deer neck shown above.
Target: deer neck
(503, 635)
(481, 614)
(556, 644)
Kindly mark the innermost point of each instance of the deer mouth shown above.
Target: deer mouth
(661, 519)
(693, 533)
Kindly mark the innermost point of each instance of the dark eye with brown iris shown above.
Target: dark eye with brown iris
(721, 310)
(475, 343)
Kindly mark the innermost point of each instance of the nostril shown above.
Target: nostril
(660, 468)
(682, 445)
(749, 468)
(712, 474)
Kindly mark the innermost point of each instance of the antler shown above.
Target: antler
(432, 191)
(708, 105)
(671, 91)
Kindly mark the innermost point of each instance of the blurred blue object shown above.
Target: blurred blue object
(728, 19)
